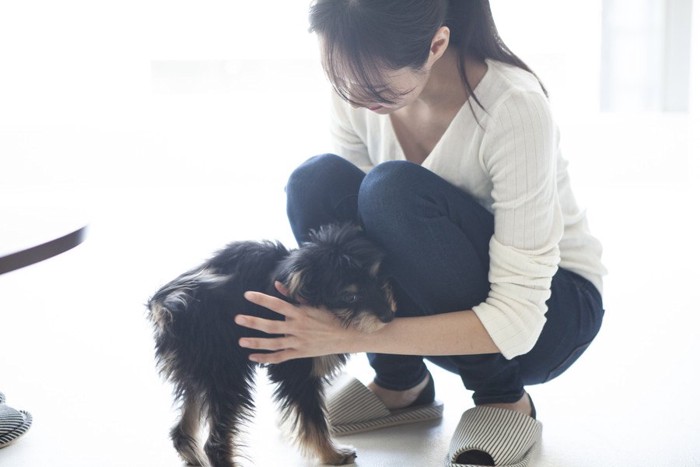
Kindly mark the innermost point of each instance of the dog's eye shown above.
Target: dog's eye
(350, 298)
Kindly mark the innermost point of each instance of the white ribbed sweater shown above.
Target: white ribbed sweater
(512, 165)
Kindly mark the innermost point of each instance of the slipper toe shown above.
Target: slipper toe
(13, 424)
(508, 437)
(353, 408)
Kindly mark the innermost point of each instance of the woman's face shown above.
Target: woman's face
(402, 87)
(381, 89)
(397, 87)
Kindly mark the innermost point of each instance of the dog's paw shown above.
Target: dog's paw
(343, 455)
(189, 452)
(190, 461)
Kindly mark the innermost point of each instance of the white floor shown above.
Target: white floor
(76, 349)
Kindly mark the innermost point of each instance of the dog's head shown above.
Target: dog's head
(341, 269)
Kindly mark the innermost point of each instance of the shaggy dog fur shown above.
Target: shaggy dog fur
(197, 340)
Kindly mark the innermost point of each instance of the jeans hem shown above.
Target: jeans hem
(400, 386)
(502, 399)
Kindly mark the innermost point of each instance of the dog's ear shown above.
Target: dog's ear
(292, 275)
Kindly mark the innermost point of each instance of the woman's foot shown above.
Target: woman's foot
(400, 399)
(523, 405)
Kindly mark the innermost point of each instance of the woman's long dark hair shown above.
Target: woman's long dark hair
(363, 38)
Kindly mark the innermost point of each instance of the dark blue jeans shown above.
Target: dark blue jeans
(437, 242)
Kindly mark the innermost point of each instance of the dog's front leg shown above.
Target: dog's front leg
(300, 395)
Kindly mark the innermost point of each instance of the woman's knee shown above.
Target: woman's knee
(321, 177)
(322, 190)
(312, 170)
(389, 188)
(388, 182)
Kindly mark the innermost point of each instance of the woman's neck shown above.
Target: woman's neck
(445, 86)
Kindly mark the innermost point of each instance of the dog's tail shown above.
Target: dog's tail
(176, 296)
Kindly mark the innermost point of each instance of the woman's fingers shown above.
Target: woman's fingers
(268, 326)
(272, 343)
(305, 331)
(281, 288)
(272, 303)
(274, 357)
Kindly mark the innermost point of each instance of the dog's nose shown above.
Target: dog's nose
(387, 316)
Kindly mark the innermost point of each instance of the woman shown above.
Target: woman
(448, 156)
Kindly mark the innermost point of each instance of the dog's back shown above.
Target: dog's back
(193, 314)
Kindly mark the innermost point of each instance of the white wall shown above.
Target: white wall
(695, 93)
(695, 62)
(561, 42)
(92, 92)
(646, 52)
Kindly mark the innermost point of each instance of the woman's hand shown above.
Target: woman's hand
(312, 332)
(307, 331)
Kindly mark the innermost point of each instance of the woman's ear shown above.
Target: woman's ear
(438, 45)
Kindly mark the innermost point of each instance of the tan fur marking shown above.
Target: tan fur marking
(389, 297)
(160, 316)
(315, 443)
(366, 322)
(294, 283)
(325, 365)
(374, 269)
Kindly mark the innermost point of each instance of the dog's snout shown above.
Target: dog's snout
(387, 315)
(386, 318)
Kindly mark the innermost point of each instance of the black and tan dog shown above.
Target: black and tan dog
(197, 340)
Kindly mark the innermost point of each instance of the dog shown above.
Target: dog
(196, 339)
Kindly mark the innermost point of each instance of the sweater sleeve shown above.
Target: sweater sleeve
(346, 141)
(518, 153)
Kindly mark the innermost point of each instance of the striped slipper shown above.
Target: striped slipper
(353, 408)
(508, 437)
(13, 424)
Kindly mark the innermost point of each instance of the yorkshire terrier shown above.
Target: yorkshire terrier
(196, 338)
